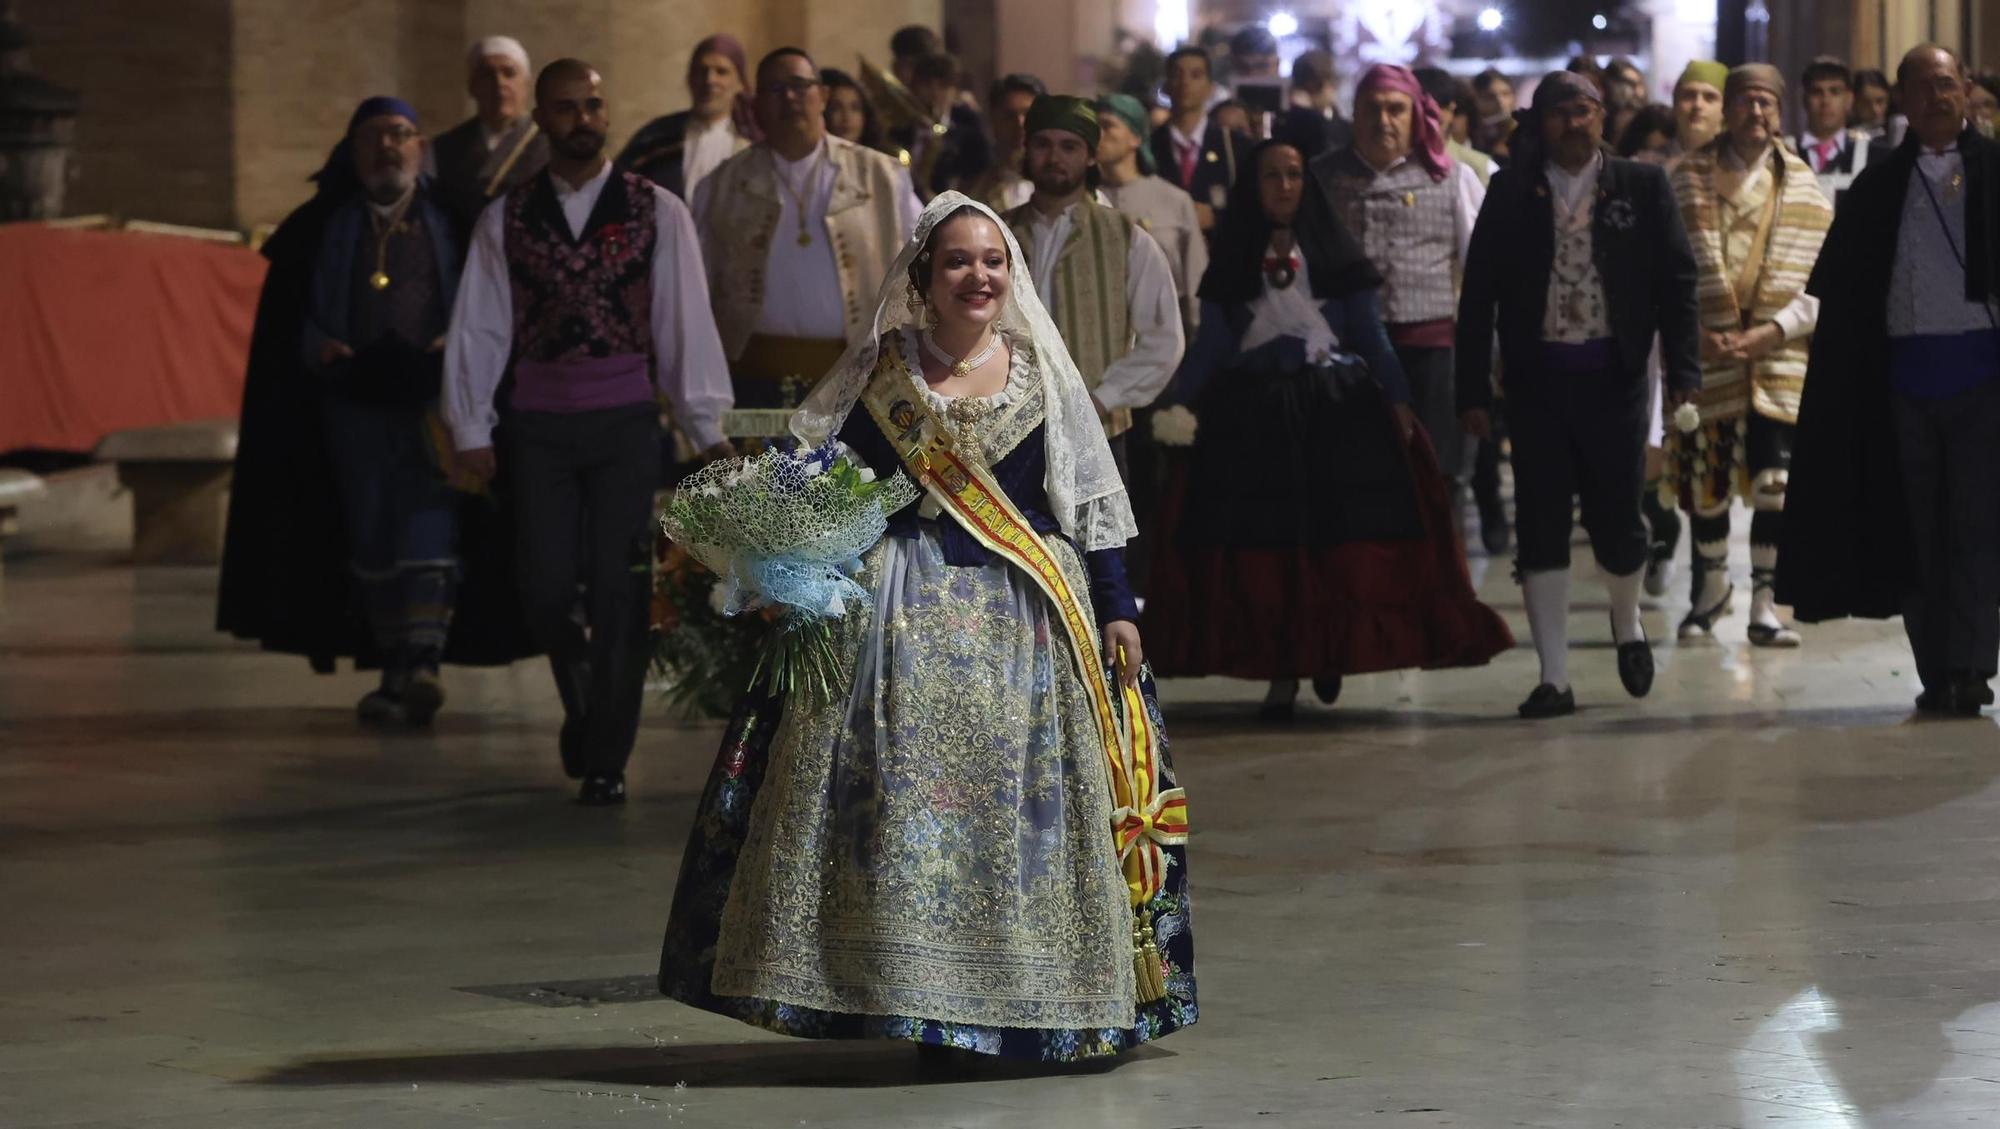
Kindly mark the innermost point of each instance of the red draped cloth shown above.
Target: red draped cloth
(109, 330)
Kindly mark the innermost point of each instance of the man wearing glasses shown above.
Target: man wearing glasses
(1893, 508)
(797, 231)
(1756, 217)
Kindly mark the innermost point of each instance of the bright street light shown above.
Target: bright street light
(1490, 19)
(1284, 25)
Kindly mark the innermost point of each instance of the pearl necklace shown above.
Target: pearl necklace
(958, 367)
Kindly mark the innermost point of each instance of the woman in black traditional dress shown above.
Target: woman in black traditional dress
(1308, 534)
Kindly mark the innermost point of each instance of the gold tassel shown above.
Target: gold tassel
(1149, 974)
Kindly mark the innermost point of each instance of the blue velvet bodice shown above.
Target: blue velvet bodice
(1021, 474)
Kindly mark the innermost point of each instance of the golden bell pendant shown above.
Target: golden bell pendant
(379, 280)
(805, 239)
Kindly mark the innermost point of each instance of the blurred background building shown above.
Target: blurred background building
(212, 112)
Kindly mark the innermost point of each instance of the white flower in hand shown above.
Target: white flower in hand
(1687, 418)
(1174, 427)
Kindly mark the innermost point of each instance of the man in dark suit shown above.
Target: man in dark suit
(1836, 153)
(1192, 152)
(497, 148)
(676, 151)
(1579, 258)
(1891, 508)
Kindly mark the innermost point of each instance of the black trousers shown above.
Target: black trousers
(1434, 399)
(1950, 451)
(584, 485)
(1578, 436)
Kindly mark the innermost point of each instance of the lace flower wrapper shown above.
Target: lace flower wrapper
(785, 530)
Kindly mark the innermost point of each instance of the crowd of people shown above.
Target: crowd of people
(491, 321)
(1206, 387)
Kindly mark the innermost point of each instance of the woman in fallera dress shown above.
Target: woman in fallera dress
(1307, 533)
(930, 855)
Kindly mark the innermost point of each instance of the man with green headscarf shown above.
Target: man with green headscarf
(1105, 281)
(1166, 213)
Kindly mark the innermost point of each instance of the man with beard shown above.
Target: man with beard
(590, 280)
(499, 147)
(797, 232)
(1756, 218)
(1625, 95)
(1193, 152)
(677, 151)
(1892, 506)
(1104, 280)
(340, 412)
(1495, 130)
(1412, 207)
(1836, 153)
(1003, 186)
(1578, 260)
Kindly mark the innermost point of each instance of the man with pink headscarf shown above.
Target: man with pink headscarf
(677, 151)
(1412, 207)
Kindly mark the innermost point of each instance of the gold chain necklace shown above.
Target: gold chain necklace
(797, 195)
(384, 228)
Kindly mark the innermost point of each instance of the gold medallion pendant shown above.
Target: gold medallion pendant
(805, 239)
(379, 280)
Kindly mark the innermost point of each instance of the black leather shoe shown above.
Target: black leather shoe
(1327, 689)
(1935, 701)
(1970, 694)
(601, 791)
(1635, 666)
(1547, 701)
(1276, 712)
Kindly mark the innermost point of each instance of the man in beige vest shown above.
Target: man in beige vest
(1756, 218)
(797, 232)
(1104, 280)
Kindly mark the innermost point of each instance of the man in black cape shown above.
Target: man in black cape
(286, 576)
(1894, 502)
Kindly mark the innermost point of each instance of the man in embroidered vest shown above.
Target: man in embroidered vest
(590, 280)
(797, 232)
(1836, 152)
(1756, 217)
(499, 147)
(1578, 260)
(1413, 208)
(1893, 508)
(1105, 281)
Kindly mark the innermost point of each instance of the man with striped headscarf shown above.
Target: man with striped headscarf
(1756, 218)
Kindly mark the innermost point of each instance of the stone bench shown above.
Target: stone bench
(179, 478)
(17, 488)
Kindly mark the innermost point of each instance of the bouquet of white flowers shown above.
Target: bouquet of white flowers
(785, 530)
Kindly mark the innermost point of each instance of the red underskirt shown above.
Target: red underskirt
(1353, 608)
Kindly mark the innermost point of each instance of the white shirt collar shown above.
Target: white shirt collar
(809, 158)
(592, 186)
(1392, 166)
(1573, 188)
(1183, 141)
